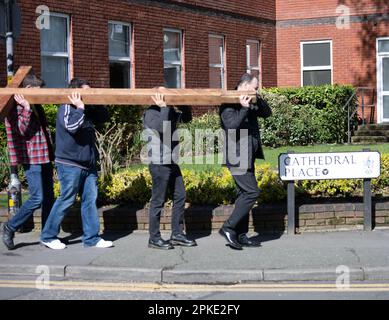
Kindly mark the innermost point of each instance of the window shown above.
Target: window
(55, 52)
(252, 57)
(172, 58)
(216, 62)
(119, 55)
(383, 46)
(316, 63)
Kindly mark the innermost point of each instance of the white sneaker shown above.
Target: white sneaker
(104, 244)
(55, 245)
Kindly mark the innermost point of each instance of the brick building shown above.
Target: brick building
(201, 44)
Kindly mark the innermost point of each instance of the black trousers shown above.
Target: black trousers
(247, 194)
(166, 178)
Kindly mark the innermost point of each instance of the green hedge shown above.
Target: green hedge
(301, 116)
(217, 186)
(307, 115)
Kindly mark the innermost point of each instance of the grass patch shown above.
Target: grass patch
(271, 154)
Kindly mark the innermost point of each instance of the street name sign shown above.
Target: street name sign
(326, 166)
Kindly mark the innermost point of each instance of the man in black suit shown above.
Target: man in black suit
(160, 122)
(243, 146)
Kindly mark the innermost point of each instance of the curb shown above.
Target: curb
(113, 274)
(311, 275)
(159, 276)
(212, 276)
(31, 270)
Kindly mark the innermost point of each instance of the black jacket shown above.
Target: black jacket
(75, 134)
(153, 119)
(234, 118)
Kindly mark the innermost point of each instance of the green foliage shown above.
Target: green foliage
(208, 124)
(313, 114)
(128, 119)
(4, 167)
(381, 184)
(217, 187)
(51, 116)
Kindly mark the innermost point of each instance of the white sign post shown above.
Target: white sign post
(364, 165)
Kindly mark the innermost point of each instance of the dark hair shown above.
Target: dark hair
(78, 83)
(246, 78)
(31, 80)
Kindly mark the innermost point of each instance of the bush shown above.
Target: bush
(129, 120)
(313, 114)
(217, 186)
(209, 122)
(347, 188)
(289, 124)
(4, 167)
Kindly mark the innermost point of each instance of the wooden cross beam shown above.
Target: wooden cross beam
(190, 97)
(6, 100)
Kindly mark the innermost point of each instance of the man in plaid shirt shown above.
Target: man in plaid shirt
(29, 144)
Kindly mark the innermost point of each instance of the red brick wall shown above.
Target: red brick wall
(354, 52)
(302, 9)
(90, 39)
(263, 8)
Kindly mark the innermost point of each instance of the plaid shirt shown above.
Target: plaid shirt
(26, 136)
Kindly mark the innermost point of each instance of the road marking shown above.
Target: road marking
(151, 287)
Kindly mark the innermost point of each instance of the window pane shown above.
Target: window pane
(383, 46)
(171, 46)
(55, 72)
(317, 78)
(172, 77)
(215, 50)
(215, 78)
(55, 39)
(254, 54)
(385, 71)
(119, 42)
(119, 74)
(317, 54)
(386, 107)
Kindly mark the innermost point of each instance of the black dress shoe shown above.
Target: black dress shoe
(160, 244)
(182, 240)
(8, 237)
(231, 238)
(246, 242)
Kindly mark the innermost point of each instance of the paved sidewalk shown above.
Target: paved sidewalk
(307, 257)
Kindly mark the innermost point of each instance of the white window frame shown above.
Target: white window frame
(380, 93)
(221, 66)
(320, 68)
(176, 63)
(248, 56)
(122, 58)
(61, 54)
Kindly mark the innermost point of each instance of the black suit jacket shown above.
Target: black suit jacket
(235, 118)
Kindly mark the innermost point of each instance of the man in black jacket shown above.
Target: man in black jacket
(160, 122)
(76, 158)
(243, 146)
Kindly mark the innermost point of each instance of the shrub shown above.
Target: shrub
(128, 119)
(320, 108)
(215, 187)
(208, 121)
(4, 167)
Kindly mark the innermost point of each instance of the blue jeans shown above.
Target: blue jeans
(40, 188)
(74, 180)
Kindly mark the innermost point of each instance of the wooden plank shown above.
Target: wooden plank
(192, 97)
(7, 101)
